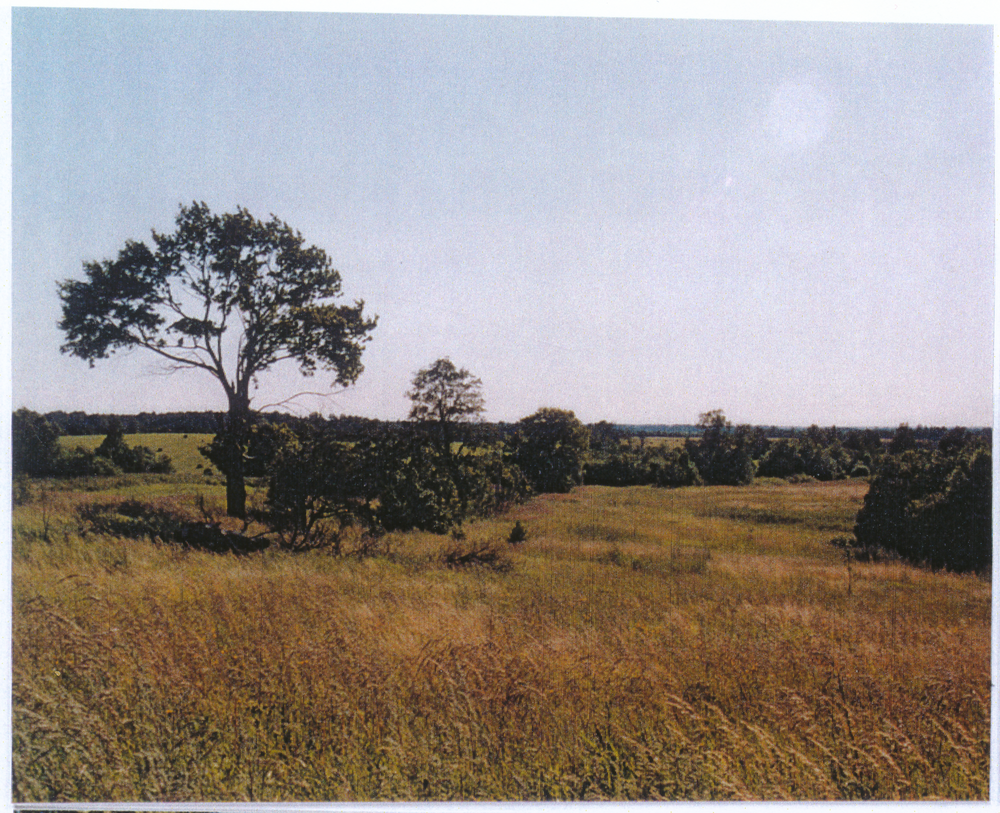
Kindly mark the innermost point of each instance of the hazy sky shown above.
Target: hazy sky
(639, 220)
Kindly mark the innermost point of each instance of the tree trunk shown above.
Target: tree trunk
(236, 439)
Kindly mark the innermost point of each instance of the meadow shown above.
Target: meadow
(642, 643)
(182, 449)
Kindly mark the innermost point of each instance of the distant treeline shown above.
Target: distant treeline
(352, 426)
(925, 434)
(347, 427)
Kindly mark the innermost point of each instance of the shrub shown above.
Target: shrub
(932, 508)
(550, 447)
(782, 459)
(34, 444)
(138, 459)
(722, 455)
(622, 467)
(317, 486)
(83, 463)
(265, 442)
(677, 469)
(415, 488)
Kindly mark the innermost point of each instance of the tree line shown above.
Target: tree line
(929, 503)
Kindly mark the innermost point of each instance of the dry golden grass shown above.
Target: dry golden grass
(648, 644)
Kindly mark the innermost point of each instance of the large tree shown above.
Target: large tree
(227, 294)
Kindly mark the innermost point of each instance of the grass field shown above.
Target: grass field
(182, 449)
(703, 643)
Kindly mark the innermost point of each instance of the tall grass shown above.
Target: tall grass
(646, 644)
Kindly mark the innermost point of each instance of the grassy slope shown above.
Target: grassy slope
(687, 644)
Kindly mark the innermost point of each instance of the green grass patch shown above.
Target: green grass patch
(182, 449)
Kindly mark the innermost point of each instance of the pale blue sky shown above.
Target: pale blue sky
(639, 220)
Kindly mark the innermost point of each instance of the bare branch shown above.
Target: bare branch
(289, 399)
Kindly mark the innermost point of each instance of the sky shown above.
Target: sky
(639, 220)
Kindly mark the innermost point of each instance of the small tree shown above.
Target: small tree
(903, 440)
(676, 469)
(723, 456)
(444, 395)
(34, 444)
(317, 487)
(226, 294)
(551, 448)
(128, 459)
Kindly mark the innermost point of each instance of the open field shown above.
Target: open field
(182, 449)
(702, 643)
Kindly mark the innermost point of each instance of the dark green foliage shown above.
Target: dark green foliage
(819, 462)
(953, 527)
(815, 455)
(317, 487)
(418, 486)
(904, 440)
(622, 467)
(933, 508)
(488, 481)
(415, 486)
(782, 459)
(551, 447)
(264, 442)
(954, 439)
(605, 438)
(676, 469)
(34, 444)
(863, 441)
(730, 467)
(21, 490)
(397, 480)
(517, 535)
(753, 439)
(82, 462)
(35, 452)
(722, 455)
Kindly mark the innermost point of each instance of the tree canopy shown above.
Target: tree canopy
(551, 447)
(443, 395)
(227, 294)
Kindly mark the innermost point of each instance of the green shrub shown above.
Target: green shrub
(34, 444)
(550, 447)
(932, 507)
(677, 469)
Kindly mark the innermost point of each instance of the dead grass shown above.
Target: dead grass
(645, 644)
